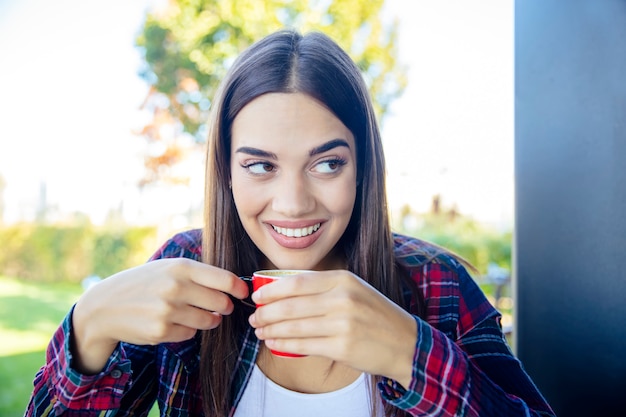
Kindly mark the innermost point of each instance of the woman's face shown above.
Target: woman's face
(293, 173)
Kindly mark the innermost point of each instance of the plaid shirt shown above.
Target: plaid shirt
(462, 364)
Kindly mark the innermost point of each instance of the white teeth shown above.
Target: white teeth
(301, 232)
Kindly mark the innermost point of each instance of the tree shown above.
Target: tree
(188, 46)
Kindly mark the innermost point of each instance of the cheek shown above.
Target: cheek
(248, 199)
(340, 200)
(244, 203)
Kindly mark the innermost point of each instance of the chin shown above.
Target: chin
(303, 262)
(302, 266)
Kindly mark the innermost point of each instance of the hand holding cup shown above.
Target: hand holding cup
(339, 316)
(261, 278)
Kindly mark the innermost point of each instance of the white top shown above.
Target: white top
(263, 397)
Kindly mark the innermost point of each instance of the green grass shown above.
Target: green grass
(29, 315)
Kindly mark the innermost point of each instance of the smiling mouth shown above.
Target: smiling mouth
(298, 232)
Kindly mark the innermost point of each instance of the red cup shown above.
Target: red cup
(261, 278)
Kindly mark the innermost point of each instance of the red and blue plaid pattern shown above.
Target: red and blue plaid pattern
(462, 364)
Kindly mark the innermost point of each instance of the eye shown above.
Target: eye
(329, 166)
(259, 168)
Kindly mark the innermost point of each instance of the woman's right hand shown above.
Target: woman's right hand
(167, 300)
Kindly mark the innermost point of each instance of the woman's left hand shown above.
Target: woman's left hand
(337, 315)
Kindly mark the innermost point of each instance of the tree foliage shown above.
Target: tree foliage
(189, 45)
(69, 253)
(478, 243)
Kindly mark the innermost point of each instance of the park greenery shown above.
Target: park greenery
(29, 314)
(478, 243)
(188, 46)
(40, 252)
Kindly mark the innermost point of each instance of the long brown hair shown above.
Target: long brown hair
(312, 64)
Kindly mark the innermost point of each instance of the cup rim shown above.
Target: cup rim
(278, 273)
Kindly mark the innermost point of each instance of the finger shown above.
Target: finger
(293, 308)
(208, 299)
(319, 346)
(173, 333)
(216, 278)
(354, 352)
(196, 318)
(307, 283)
(178, 327)
(179, 333)
(301, 328)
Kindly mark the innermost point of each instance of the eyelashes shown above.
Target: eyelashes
(329, 166)
(259, 167)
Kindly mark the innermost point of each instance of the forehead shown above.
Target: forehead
(286, 119)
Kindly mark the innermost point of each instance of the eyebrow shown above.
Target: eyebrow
(315, 151)
(256, 152)
(328, 146)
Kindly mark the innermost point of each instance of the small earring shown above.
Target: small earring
(230, 185)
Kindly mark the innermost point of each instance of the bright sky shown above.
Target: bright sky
(69, 98)
(452, 131)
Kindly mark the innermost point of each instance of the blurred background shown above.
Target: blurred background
(102, 109)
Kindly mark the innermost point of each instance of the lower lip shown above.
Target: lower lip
(295, 242)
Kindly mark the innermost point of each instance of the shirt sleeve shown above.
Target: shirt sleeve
(471, 372)
(60, 389)
(126, 384)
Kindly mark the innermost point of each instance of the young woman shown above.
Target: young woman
(389, 325)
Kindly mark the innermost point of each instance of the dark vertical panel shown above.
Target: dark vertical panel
(570, 245)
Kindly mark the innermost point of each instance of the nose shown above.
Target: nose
(293, 196)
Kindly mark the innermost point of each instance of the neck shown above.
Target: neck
(310, 375)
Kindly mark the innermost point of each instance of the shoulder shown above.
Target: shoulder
(448, 289)
(431, 267)
(411, 252)
(187, 244)
(433, 263)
